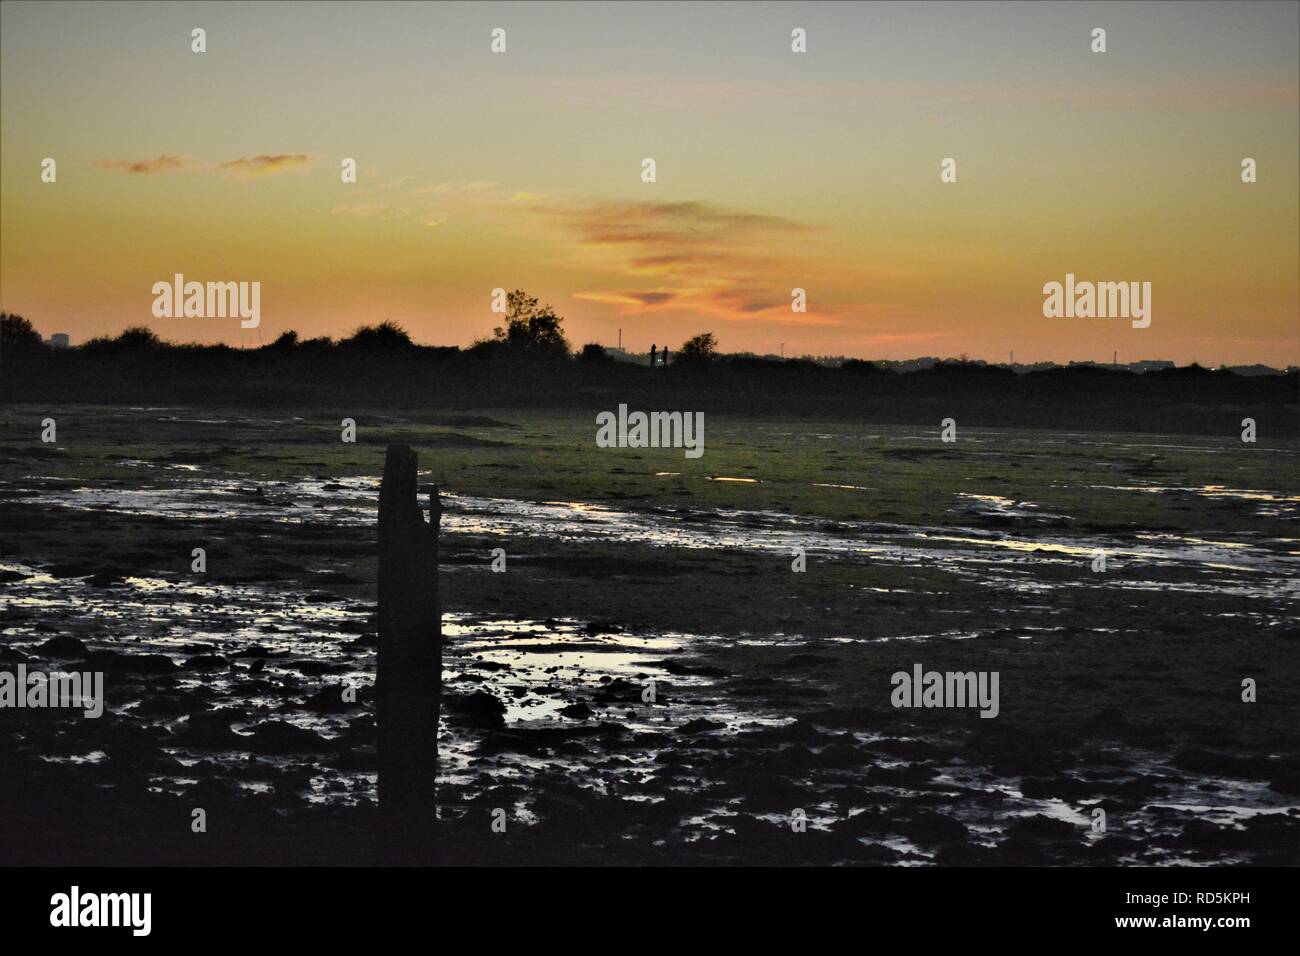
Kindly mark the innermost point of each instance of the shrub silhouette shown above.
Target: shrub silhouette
(385, 335)
(699, 348)
(137, 368)
(531, 328)
(17, 335)
(136, 338)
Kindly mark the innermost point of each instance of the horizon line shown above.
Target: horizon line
(963, 358)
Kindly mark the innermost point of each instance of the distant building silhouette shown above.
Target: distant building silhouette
(59, 340)
(1145, 365)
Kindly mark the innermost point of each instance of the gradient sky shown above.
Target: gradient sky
(775, 170)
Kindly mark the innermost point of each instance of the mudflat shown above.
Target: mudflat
(648, 680)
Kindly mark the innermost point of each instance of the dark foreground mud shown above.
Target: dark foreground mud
(649, 683)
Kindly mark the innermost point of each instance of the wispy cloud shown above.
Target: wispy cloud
(679, 224)
(164, 163)
(682, 258)
(455, 189)
(664, 93)
(247, 166)
(1182, 96)
(264, 165)
(702, 258)
(394, 184)
(433, 204)
(658, 93)
(633, 300)
(360, 210)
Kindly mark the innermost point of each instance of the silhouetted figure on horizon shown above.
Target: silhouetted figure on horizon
(665, 356)
(653, 352)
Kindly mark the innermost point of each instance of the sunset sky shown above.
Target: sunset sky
(775, 170)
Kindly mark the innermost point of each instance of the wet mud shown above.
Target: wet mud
(648, 681)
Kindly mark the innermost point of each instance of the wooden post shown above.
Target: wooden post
(408, 680)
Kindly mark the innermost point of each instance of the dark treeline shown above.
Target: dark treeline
(380, 367)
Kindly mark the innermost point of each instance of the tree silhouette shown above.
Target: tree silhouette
(17, 334)
(699, 348)
(531, 327)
